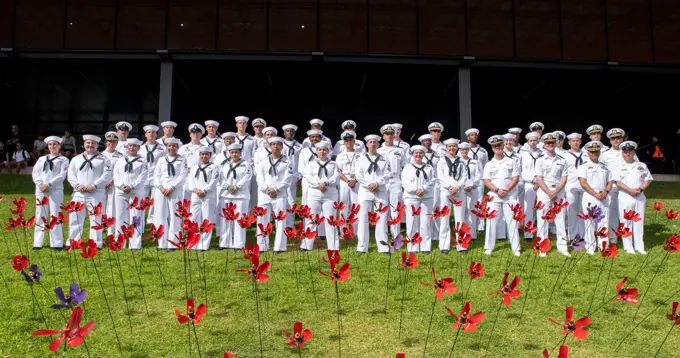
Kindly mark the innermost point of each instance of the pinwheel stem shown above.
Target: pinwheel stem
(467, 291)
(51, 297)
(297, 277)
(70, 267)
(488, 344)
(571, 267)
(311, 277)
(600, 306)
(387, 284)
(54, 275)
(186, 282)
(358, 270)
(560, 344)
(596, 285)
(566, 258)
(86, 348)
(160, 273)
(403, 297)
(28, 251)
(643, 265)
(531, 278)
(9, 251)
(257, 307)
(36, 303)
(337, 303)
(191, 285)
(198, 346)
(77, 269)
(120, 348)
(434, 303)
(113, 281)
(642, 297)
(127, 305)
(141, 285)
(604, 293)
(201, 267)
(664, 339)
(645, 318)
(454, 341)
(4, 280)
(21, 251)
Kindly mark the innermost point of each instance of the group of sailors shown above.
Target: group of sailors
(381, 177)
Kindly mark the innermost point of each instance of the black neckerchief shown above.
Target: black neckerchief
(428, 161)
(128, 163)
(171, 167)
(374, 164)
(474, 154)
(312, 156)
(578, 159)
(322, 167)
(453, 167)
(232, 169)
(533, 165)
(211, 144)
(202, 170)
(467, 165)
(272, 166)
(241, 140)
(149, 153)
(291, 148)
(511, 156)
(88, 161)
(48, 166)
(420, 170)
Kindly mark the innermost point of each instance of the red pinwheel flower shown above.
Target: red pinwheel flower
(475, 270)
(72, 207)
(442, 287)
(339, 222)
(193, 314)
(347, 233)
(228, 355)
(256, 269)
(559, 205)
(291, 233)
(445, 212)
(89, 250)
(436, 213)
(13, 224)
(674, 315)
(294, 209)
(658, 206)
(530, 228)
(332, 256)
(454, 202)
(518, 213)
(631, 215)
(207, 226)
(352, 219)
(145, 203)
(540, 245)
(338, 206)
(382, 208)
(306, 234)
(96, 210)
(564, 352)
(156, 233)
(468, 322)
(401, 208)
(602, 233)
(623, 231)
(75, 245)
(415, 240)
(672, 215)
(115, 244)
(401, 355)
(609, 251)
(356, 207)
(317, 219)
(229, 212)
(409, 263)
(571, 326)
(304, 211)
(280, 216)
(259, 211)
(183, 209)
(250, 251)
(549, 215)
(538, 205)
(20, 206)
(265, 231)
(508, 290)
(247, 221)
(416, 212)
(19, 262)
(392, 221)
(73, 334)
(482, 211)
(42, 202)
(299, 337)
(672, 243)
(134, 204)
(627, 294)
(60, 220)
(105, 224)
(373, 218)
(186, 241)
(127, 231)
(341, 274)
(487, 198)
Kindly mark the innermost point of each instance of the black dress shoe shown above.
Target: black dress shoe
(302, 249)
(425, 252)
(237, 250)
(36, 248)
(445, 252)
(278, 252)
(220, 248)
(360, 252)
(463, 251)
(386, 253)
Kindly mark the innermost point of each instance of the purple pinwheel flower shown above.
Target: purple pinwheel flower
(33, 275)
(74, 297)
(577, 243)
(135, 221)
(394, 244)
(595, 213)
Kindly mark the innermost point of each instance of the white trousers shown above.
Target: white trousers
(575, 226)
(253, 193)
(324, 207)
(320, 231)
(76, 221)
(472, 219)
(480, 196)
(543, 225)
(528, 203)
(591, 227)
(165, 215)
(280, 203)
(349, 196)
(46, 211)
(521, 190)
(125, 217)
(380, 227)
(110, 208)
(613, 216)
(504, 213)
(419, 223)
(148, 191)
(637, 203)
(444, 230)
(437, 203)
(232, 235)
(291, 196)
(201, 209)
(395, 194)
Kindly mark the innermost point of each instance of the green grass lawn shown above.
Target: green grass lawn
(368, 331)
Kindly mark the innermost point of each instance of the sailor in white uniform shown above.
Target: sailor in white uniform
(248, 143)
(151, 151)
(397, 138)
(211, 139)
(189, 152)
(530, 157)
(474, 171)
(292, 149)
(49, 173)
(632, 178)
(307, 155)
(431, 158)
(398, 159)
(574, 192)
(202, 183)
(168, 132)
(347, 162)
(482, 157)
(88, 174)
(613, 158)
(316, 124)
(258, 129)
(359, 147)
(170, 173)
(595, 134)
(436, 129)
(130, 173)
(235, 179)
(516, 132)
(220, 160)
(559, 146)
(263, 150)
(452, 178)
(373, 176)
(418, 181)
(123, 129)
(596, 180)
(112, 154)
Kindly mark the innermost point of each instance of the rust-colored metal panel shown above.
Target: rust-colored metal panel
(6, 13)
(243, 25)
(583, 30)
(191, 24)
(292, 25)
(630, 37)
(442, 27)
(666, 20)
(392, 26)
(342, 25)
(537, 29)
(141, 24)
(490, 28)
(90, 24)
(39, 24)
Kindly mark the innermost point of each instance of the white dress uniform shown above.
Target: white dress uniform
(574, 193)
(398, 159)
(500, 230)
(339, 148)
(500, 173)
(597, 175)
(51, 171)
(347, 162)
(110, 202)
(372, 169)
(151, 154)
(216, 145)
(189, 152)
(204, 177)
(292, 150)
(84, 170)
(322, 203)
(528, 173)
(220, 160)
(431, 158)
(240, 175)
(133, 172)
(552, 170)
(163, 141)
(414, 177)
(482, 157)
(273, 173)
(405, 147)
(306, 143)
(247, 153)
(170, 172)
(632, 175)
(122, 147)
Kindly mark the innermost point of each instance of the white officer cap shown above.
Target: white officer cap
(628, 145)
(290, 126)
(228, 135)
(111, 136)
(52, 138)
(515, 130)
(348, 135)
(316, 121)
(425, 137)
(451, 141)
(532, 135)
(235, 146)
(536, 125)
(270, 129)
(549, 138)
(509, 136)
(134, 141)
(372, 137)
(387, 128)
(594, 129)
(123, 126)
(210, 122)
(196, 127)
(472, 130)
(241, 118)
(418, 147)
(615, 133)
(435, 126)
(275, 140)
(92, 137)
(593, 146)
(172, 140)
(464, 145)
(312, 132)
(560, 135)
(323, 144)
(204, 149)
(574, 136)
(397, 126)
(150, 127)
(349, 123)
(169, 124)
(496, 140)
(259, 122)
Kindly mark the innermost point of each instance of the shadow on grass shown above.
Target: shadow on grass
(411, 342)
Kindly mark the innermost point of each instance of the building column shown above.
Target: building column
(165, 92)
(464, 101)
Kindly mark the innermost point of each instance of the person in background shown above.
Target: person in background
(48, 175)
(657, 155)
(68, 145)
(20, 159)
(10, 144)
(39, 148)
